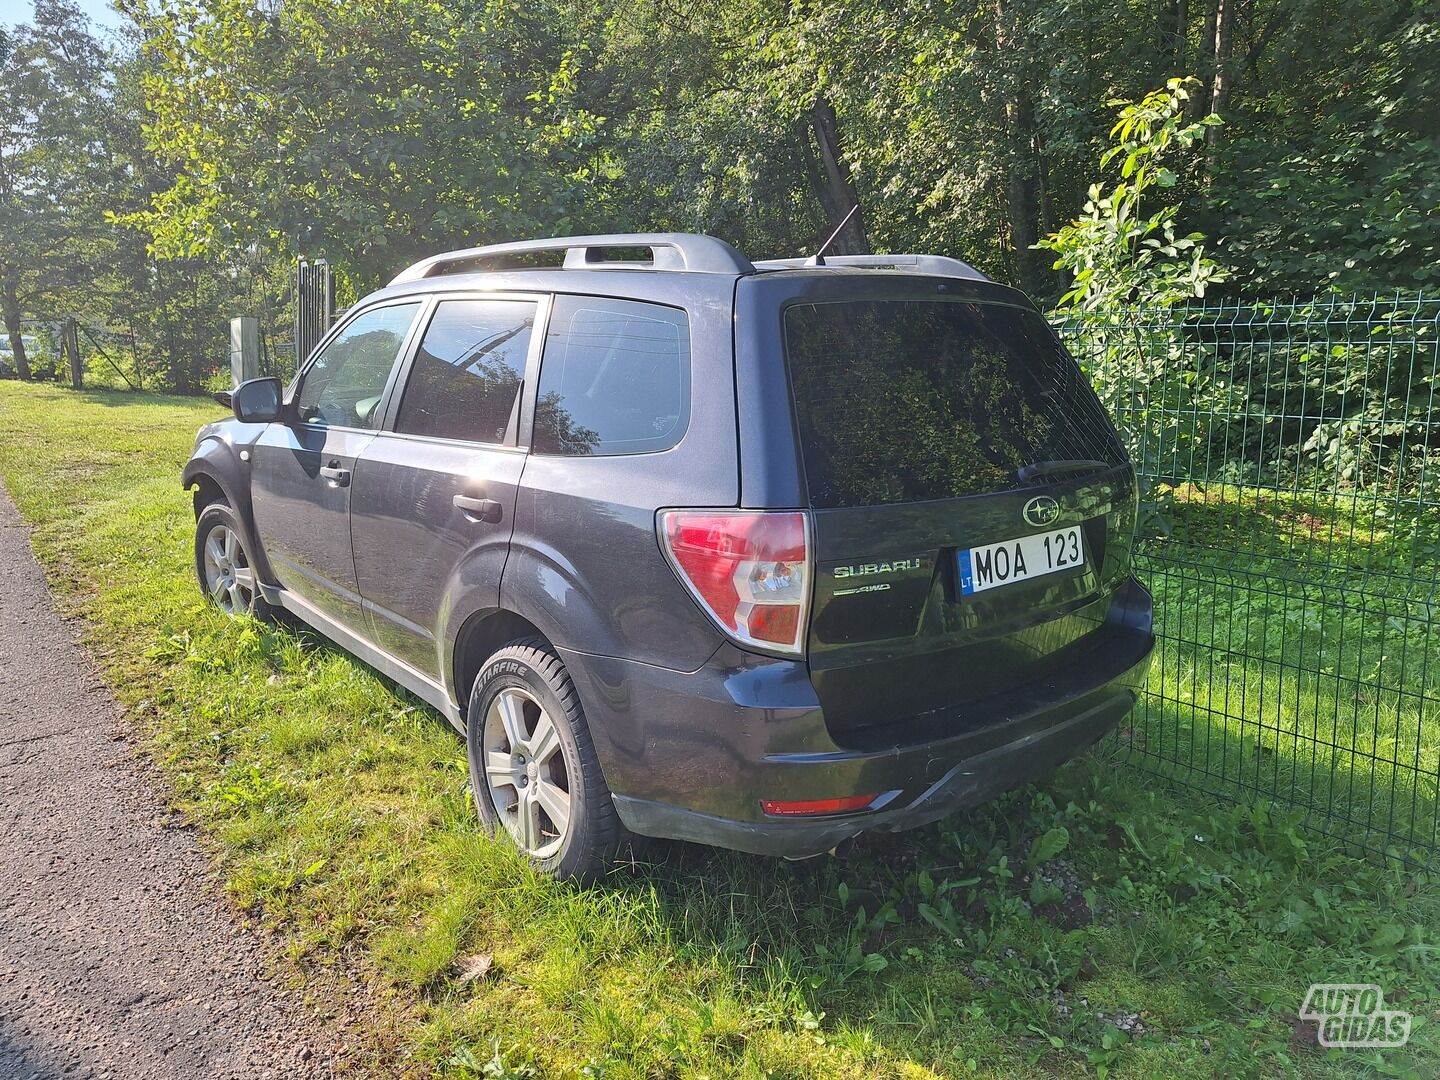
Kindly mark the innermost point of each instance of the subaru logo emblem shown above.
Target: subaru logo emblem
(1041, 511)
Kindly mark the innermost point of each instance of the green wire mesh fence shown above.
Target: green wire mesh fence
(1289, 456)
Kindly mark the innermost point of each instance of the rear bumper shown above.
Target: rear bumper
(690, 755)
(969, 782)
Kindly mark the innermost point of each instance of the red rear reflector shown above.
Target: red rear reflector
(749, 570)
(819, 806)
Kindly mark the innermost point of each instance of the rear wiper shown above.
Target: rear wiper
(1026, 473)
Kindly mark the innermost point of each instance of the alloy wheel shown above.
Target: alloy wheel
(229, 581)
(525, 772)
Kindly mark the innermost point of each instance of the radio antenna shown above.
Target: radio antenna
(818, 259)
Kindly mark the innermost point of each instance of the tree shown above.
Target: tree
(174, 308)
(1115, 254)
(725, 121)
(1336, 188)
(16, 138)
(373, 130)
(1022, 163)
(1123, 258)
(164, 185)
(52, 80)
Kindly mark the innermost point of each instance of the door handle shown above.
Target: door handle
(337, 476)
(479, 509)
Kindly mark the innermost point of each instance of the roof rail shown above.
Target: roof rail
(668, 251)
(938, 265)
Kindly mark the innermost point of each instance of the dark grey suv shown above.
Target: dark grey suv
(761, 556)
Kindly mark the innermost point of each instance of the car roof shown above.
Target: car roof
(671, 267)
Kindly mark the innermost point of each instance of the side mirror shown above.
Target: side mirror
(257, 401)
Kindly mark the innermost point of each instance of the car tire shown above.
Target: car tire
(532, 761)
(223, 565)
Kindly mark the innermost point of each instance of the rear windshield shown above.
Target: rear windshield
(902, 401)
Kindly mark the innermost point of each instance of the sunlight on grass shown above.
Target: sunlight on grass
(1292, 521)
(1298, 658)
(339, 811)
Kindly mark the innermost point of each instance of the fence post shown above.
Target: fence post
(314, 305)
(244, 349)
(70, 347)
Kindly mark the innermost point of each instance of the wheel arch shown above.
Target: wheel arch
(210, 475)
(206, 491)
(480, 636)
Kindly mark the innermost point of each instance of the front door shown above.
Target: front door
(303, 468)
(434, 495)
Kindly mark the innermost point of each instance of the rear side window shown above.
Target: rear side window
(902, 401)
(465, 382)
(615, 378)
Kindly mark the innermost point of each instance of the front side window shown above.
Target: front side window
(615, 378)
(465, 382)
(344, 385)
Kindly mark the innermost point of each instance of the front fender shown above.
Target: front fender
(222, 460)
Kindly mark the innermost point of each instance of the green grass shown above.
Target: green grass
(338, 811)
(1305, 668)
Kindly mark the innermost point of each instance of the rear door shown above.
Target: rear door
(972, 503)
(434, 493)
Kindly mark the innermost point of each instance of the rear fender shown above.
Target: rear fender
(531, 598)
(640, 612)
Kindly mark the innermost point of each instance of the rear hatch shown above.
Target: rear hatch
(973, 506)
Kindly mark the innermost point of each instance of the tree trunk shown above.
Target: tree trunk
(1220, 79)
(836, 184)
(167, 323)
(70, 346)
(1022, 170)
(1175, 34)
(11, 303)
(1204, 61)
(1023, 197)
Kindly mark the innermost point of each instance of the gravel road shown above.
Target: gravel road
(119, 957)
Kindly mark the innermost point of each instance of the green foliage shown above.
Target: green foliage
(1342, 195)
(694, 138)
(468, 1065)
(1335, 394)
(162, 183)
(1124, 258)
(1049, 844)
(53, 79)
(1118, 255)
(371, 131)
(73, 163)
(712, 116)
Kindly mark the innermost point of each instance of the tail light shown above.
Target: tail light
(749, 570)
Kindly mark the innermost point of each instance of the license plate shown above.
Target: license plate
(993, 565)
